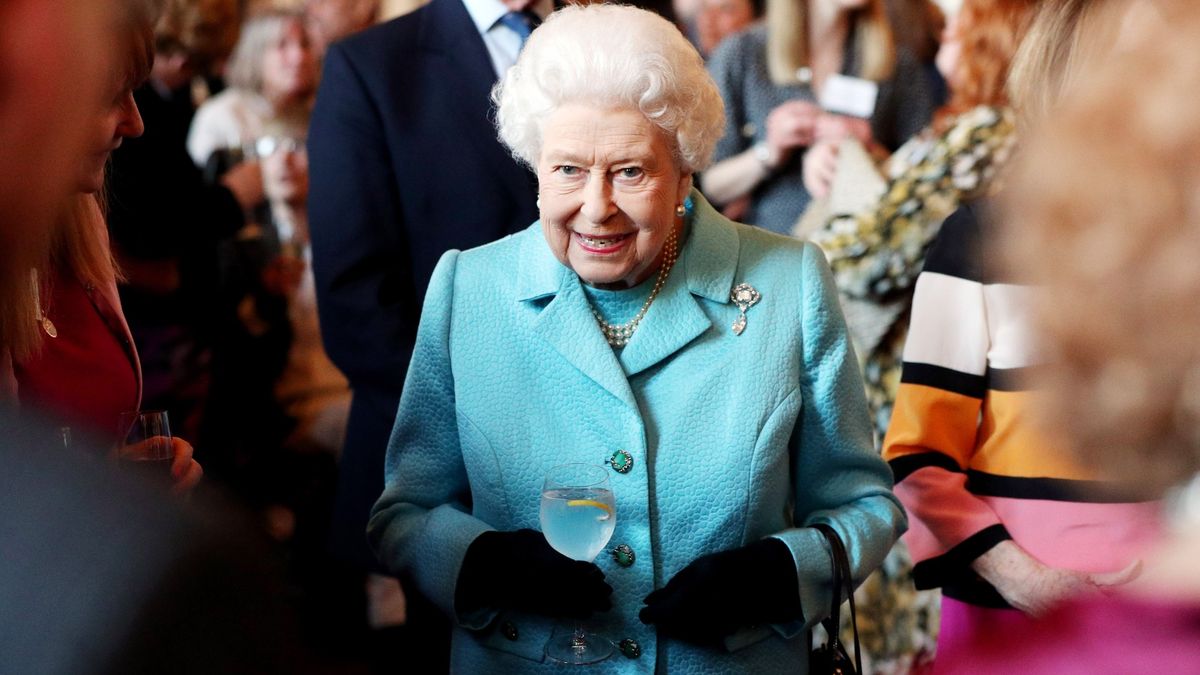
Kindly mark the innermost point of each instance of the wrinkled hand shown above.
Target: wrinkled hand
(820, 167)
(718, 594)
(1035, 588)
(519, 570)
(789, 126)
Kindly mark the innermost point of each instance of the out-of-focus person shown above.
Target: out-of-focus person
(404, 165)
(311, 389)
(1004, 521)
(877, 253)
(771, 77)
(51, 60)
(1102, 216)
(919, 27)
(165, 220)
(83, 369)
(332, 20)
(718, 19)
(272, 73)
(635, 329)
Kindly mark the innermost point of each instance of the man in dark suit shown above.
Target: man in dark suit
(405, 165)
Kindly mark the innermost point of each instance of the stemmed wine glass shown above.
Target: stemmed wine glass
(578, 516)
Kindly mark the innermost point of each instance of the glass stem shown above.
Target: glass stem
(579, 640)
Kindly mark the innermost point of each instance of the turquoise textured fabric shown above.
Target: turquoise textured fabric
(734, 438)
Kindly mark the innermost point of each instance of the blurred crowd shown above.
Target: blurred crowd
(232, 209)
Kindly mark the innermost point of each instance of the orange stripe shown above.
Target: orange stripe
(930, 419)
(1014, 445)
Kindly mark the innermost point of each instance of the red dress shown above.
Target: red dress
(86, 377)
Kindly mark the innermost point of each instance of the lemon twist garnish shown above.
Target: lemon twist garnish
(590, 502)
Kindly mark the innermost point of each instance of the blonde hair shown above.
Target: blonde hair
(788, 48)
(259, 33)
(77, 244)
(1065, 36)
(1104, 216)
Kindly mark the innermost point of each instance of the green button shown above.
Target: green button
(509, 630)
(630, 648)
(621, 461)
(624, 555)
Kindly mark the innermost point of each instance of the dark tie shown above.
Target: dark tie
(522, 23)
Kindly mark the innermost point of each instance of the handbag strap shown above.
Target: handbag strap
(842, 581)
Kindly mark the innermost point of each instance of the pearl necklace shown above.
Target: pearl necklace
(618, 335)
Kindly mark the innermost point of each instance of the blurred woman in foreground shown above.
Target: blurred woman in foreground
(81, 366)
(1104, 218)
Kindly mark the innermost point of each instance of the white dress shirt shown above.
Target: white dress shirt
(503, 43)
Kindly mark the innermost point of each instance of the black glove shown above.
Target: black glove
(519, 570)
(718, 594)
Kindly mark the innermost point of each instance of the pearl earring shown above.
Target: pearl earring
(680, 211)
(539, 203)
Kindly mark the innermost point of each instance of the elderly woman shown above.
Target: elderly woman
(272, 73)
(704, 362)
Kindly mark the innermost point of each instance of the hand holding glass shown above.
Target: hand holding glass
(144, 443)
(578, 516)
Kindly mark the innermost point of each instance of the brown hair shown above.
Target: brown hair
(203, 30)
(1105, 217)
(989, 32)
(788, 48)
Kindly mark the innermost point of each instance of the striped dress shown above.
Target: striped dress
(969, 467)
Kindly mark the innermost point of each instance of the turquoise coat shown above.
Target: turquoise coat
(733, 438)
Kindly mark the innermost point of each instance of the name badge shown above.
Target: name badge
(852, 96)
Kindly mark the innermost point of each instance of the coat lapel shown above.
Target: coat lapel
(566, 322)
(705, 270)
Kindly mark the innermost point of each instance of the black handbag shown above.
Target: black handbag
(831, 658)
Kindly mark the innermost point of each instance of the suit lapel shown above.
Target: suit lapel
(449, 37)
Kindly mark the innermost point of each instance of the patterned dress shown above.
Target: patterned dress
(876, 256)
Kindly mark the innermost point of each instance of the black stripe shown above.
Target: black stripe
(1052, 489)
(903, 467)
(1012, 379)
(956, 249)
(948, 379)
(954, 566)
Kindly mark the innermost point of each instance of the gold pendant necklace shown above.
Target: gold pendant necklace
(40, 316)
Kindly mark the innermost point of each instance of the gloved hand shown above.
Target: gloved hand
(718, 594)
(519, 570)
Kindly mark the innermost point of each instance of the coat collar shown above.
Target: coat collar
(705, 269)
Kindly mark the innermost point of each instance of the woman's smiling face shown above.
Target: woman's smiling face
(609, 184)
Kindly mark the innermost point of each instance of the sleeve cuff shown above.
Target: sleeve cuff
(955, 564)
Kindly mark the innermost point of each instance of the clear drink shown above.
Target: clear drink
(578, 522)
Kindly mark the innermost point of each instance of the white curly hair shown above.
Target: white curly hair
(617, 57)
